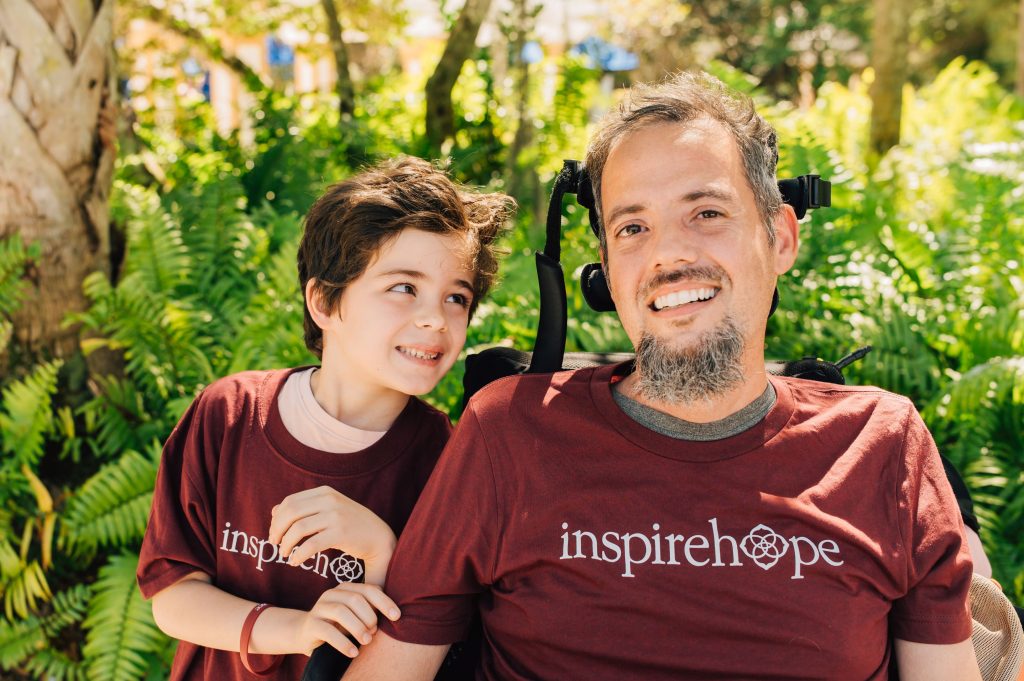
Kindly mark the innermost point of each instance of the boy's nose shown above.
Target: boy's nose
(431, 317)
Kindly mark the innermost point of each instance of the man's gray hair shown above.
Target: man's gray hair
(687, 97)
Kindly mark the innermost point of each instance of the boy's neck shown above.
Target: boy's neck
(355, 404)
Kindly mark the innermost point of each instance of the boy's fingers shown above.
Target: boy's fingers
(347, 620)
(298, 530)
(377, 598)
(309, 548)
(328, 633)
(357, 603)
(284, 516)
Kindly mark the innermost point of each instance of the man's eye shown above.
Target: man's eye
(458, 299)
(403, 288)
(709, 214)
(631, 229)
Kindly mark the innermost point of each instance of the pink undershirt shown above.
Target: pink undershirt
(308, 423)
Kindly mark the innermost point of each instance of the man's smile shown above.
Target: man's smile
(675, 299)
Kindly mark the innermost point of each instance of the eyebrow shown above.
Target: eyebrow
(709, 193)
(416, 274)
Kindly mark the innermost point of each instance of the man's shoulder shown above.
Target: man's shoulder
(850, 400)
(529, 392)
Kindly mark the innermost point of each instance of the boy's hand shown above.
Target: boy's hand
(345, 608)
(327, 519)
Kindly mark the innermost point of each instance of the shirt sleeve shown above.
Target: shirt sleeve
(446, 554)
(935, 608)
(179, 537)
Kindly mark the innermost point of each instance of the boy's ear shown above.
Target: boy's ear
(315, 305)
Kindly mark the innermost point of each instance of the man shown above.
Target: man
(686, 517)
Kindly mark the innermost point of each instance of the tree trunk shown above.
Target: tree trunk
(461, 42)
(57, 85)
(346, 92)
(889, 60)
(1020, 50)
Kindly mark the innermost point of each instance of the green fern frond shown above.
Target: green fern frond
(118, 417)
(120, 627)
(26, 414)
(68, 607)
(112, 507)
(54, 665)
(24, 589)
(20, 639)
(13, 258)
(155, 247)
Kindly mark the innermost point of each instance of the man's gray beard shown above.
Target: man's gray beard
(710, 368)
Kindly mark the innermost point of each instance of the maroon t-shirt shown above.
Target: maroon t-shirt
(595, 548)
(228, 462)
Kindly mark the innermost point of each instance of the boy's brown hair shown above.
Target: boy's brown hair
(355, 218)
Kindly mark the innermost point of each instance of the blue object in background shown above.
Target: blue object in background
(532, 53)
(605, 56)
(279, 53)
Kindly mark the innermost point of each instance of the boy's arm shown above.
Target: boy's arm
(388, 659)
(929, 662)
(196, 611)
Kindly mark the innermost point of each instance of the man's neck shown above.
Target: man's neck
(704, 411)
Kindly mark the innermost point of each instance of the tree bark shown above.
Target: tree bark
(57, 85)
(1020, 50)
(346, 91)
(440, 117)
(889, 60)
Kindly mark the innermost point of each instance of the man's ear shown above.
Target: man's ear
(315, 305)
(787, 239)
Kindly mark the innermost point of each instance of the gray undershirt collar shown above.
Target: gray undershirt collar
(677, 428)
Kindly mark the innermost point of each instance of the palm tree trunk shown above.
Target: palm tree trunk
(344, 87)
(440, 112)
(56, 84)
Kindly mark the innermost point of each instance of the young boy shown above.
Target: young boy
(331, 459)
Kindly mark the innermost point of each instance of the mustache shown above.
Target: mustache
(710, 273)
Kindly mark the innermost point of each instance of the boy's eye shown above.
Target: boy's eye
(403, 288)
(458, 299)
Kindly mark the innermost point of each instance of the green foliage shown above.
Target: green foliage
(120, 627)
(111, 508)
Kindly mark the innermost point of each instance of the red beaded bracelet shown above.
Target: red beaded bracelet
(243, 644)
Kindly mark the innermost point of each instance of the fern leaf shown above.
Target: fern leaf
(26, 415)
(19, 640)
(54, 665)
(111, 508)
(120, 627)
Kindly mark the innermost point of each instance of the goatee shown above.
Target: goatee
(709, 368)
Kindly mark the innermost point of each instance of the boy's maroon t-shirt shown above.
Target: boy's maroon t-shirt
(594, 548)
(228, 462)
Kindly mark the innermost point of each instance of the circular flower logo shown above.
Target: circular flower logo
(345, 568)
(764, 546)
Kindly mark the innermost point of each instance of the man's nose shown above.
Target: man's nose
(673, 246)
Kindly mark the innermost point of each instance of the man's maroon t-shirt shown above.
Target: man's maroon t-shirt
(595, 548)
(228, 462)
